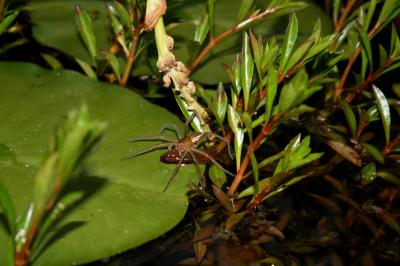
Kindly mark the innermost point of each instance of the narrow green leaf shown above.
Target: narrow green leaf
(298, 55)
(114, 63)
(220, 103)
(256, 174)
(7, 21)
(364, 65)
(389, 6)
(384, 111)
(351, 119)
(236, 68)
(123, 14)
(245, 9)
(86, 32)
(233, 119)
(248, 124)
(389, 177)
(336, 10)
(394, 38)
(371, 10)
(116, 24)
(272, 87)
(390, 68)
(217, 176)
(283, 187)
(383, 55)
(211, 15)
(247, 68)
(289, 41)
(320, 46)
(22, 227)
(196, 124)
(366, 46)
(368, 173)
(257, 47)
(86, 68)
(202, 29)
(374, 152)
(51, 61)
(7, 206)
(238, 142)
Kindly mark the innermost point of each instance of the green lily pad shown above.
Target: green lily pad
(125, 205)
(54, 26)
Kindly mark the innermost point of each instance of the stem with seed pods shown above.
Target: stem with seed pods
(176, 73)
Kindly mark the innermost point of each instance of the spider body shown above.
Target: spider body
(182, 150)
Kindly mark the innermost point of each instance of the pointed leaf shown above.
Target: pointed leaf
(244, 10)
(85, 28)
(289, 41)
(374, 152)
(7, 207)
(384, 111)
(220, 103)
(351, 119)
(272, 87)
(202, 29)
(368, 173)
(366, 45)
(247, 68)
(217, 176)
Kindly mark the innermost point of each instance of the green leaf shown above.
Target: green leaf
(394, 40)
(351, 119)
(85, 28)
(374, 152)
(298, 55)
(7, 21)
(389, 177)
(371, 10)
(7, 206)
(366, 46)
(116, 25)
(114, 63)
(289, 41)
(217, 176)
(246, 117)
(233, 119)
(257, 48)
(389, 7)
(211, 14)
(123, 14)
(86, 68)
(272, 87)
(384, 111)
(368, 173)
(238, 142)
(51, 61)
(256, 174)
(245, 9)
(220, 103)
(121, 197)
(202, 29)
(336, 10)
(383, 56)
(247, 69)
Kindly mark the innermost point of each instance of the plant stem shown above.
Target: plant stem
(339, 89)
(344, 14)
(371, 78)
(132, 56)
(215, 41)
(266, 130)
(391, 145)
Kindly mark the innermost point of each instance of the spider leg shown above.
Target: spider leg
(202, 180)
(149, 149)
(178, 166)
(173, 128)
(196, 162)
(222, 139)
(212, 160)
(150, 138)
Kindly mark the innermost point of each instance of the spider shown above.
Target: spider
(182, 150)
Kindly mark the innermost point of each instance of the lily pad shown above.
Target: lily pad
(124, 205)
(54, 26)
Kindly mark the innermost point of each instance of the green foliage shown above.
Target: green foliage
(259, 89)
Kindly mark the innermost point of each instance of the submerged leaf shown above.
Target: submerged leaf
(345, 151)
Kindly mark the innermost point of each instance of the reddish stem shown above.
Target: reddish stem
(250, 150)
(215, 41)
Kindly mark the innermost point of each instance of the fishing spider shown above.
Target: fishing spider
(182, 150)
